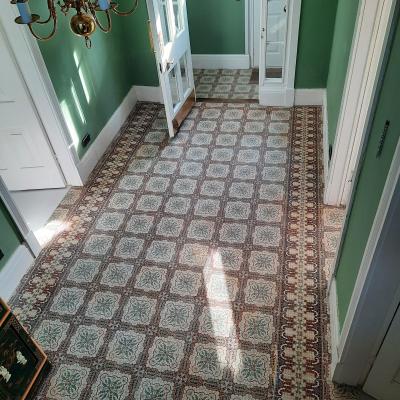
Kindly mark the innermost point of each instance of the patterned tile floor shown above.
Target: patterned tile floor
(186, 268)
(225, 84)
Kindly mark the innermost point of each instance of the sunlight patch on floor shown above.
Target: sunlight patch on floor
(45, 234)
(222, 289)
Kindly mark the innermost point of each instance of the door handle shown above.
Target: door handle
(169, 64)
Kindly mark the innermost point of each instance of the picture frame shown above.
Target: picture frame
(4, 311)
(21, 361)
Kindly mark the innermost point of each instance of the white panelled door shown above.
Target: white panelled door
(170, 30)
(276, 33)
(26, 159)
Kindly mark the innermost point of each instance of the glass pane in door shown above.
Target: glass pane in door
(276, 38)
(164, 20)
(178, 16)
(173, 83)
(184, 75)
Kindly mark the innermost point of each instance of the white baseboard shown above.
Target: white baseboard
(309, 97)
(221, 61)
(149, 93)
(334, 326)
(106, 136)
(11, 274)
(276, 97)
(325, 138)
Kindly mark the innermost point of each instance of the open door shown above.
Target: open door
(27, 161)
(170, 34)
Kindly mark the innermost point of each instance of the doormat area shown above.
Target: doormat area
(269, 73)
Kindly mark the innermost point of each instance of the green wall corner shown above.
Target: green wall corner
(217, 26)
(317, 23)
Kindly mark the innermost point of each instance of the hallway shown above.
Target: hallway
(191, 268)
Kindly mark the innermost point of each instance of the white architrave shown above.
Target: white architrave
(367, 54)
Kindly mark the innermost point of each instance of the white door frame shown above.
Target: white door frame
(280, 92)
(367, 55)
(34, 72)
(249, 31)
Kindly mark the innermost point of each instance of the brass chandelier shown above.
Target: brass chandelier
(83, 23)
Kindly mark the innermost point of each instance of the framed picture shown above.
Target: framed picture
(4, 311)
(21, 361)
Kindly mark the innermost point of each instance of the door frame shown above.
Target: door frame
(376, 292)
(34, 72)
(249, 32)
(367, 55)
(281, 92)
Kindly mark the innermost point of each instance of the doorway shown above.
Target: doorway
(276, 36)
(271, 32)
(28, 164)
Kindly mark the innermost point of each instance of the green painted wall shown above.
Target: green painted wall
(9, 238)
(317, 23)
(136, 42)
(217, 26)
(371, 182)
(346, 17)
(90, 84)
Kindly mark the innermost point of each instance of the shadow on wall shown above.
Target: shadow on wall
(91, 83)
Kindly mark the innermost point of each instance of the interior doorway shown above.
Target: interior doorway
(27, 160)
(276, 36)
(29, 170)
(271, 45)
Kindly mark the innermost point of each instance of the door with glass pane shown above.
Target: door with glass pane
(170, 33)
(273, 38)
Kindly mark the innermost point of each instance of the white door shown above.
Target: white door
(276, 32)
(26, 159)
(169, 25)
(383, 381)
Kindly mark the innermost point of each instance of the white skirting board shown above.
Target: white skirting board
(149, 93)
(12, 273)
(275, 97)
(334, 325)
(309, 97)
(106, 136)
(221, 61)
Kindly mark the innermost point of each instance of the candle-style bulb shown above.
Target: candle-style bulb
(24, 11)
(104, 4)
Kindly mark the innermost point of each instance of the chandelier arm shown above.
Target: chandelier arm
(124, 13)
(109, 23)
(50, 5)
(49, 36)
(46, 21)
